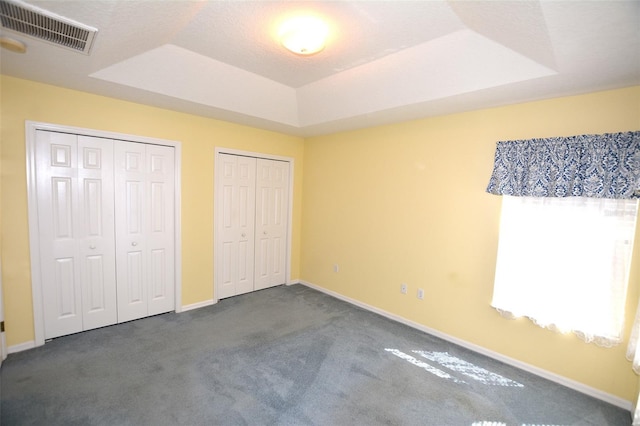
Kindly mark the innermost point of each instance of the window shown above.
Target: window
(566, 233)
(564, 263)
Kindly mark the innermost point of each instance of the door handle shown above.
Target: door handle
(134, 244)
(243, 235)
(92, 247)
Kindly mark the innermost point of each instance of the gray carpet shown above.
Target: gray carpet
(282, 356)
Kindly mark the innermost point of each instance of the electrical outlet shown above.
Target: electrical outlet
(336, 268)
(403, 288)
(420, 294)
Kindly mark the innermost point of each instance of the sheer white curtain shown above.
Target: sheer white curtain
(564, 263)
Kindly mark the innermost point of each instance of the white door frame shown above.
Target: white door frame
(217, 207)
(31, 127)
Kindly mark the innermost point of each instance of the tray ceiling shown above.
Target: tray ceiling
(385, 61)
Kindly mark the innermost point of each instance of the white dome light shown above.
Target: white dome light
(303, 35)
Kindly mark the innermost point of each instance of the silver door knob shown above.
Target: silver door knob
(92, 247)
(134, 244)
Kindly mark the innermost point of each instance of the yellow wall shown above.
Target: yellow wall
(24, 100)
(406, 203)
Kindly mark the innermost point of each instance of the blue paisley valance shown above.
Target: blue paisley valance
(600, 166)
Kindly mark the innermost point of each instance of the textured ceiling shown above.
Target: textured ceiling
(385, 61)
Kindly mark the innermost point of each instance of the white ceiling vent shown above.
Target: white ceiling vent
(44, 25)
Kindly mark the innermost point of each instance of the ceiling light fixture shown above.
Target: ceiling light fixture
(303, 35)
(13, 45)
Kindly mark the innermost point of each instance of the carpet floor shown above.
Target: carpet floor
(282, 356)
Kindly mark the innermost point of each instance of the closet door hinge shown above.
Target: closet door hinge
(1, 326)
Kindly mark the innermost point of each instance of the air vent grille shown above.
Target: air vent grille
(44, 25)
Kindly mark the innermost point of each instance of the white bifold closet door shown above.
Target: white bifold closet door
(105, 230)
(75, 217)
(144, 187)
(252, 224)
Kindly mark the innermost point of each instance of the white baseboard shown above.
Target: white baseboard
(572, 384)
(21, 347)
(198, 305)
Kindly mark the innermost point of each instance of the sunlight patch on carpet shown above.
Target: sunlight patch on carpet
(466, 368)
(424, 365)
(485, 423)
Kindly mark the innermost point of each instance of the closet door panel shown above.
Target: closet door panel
(263, 199)
(245, 241)
(271, 222)
(97, 240)
(130, 211)
(280, 194)
(56, 186)
(160, 228)
(236, 226)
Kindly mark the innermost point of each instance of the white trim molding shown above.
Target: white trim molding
(199, 305)
(31, 127)
(572, 384)
(22, 347)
